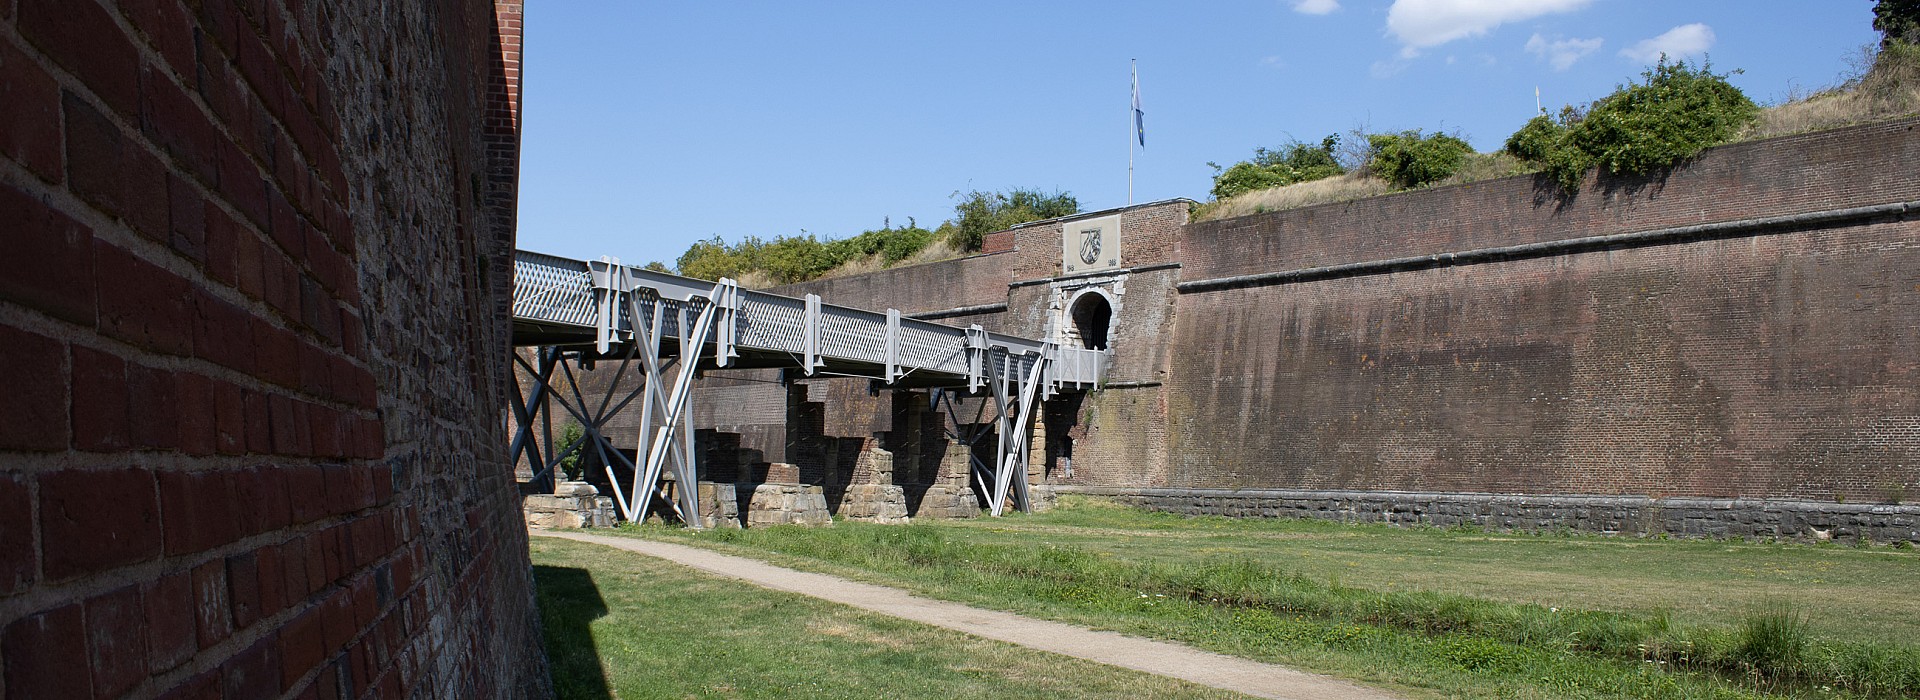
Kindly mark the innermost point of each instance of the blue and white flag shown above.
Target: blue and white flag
(1139, 117)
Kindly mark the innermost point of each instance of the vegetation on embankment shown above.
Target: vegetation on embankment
(619, 625)
(1456, 613)
(1672, 114)
(758, 262)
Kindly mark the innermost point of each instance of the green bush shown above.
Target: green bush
(1677, 112)
(980, 213)
(891, 244)
(790, 259)
(570, 433)
(713, 259)
(1292, 163)
(1410, 160)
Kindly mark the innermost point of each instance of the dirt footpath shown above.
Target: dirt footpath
(1111, 648)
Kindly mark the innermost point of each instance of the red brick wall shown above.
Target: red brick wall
(1149, 234)
(216, 459)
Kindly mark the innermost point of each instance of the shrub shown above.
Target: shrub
(891, 244)
(570, 433)
(980, 213)
(1292, 163)
(713, 259)
(1410, 160)
(1675, 114)
(1679, 112)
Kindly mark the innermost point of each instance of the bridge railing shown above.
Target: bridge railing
(594, 295)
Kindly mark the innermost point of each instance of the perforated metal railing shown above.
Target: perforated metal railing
(556, 291)
(552, 289)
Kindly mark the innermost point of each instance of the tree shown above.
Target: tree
(1897, 21)
(1291, 163)
(980, 213)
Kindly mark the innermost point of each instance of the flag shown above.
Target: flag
(1139, 117)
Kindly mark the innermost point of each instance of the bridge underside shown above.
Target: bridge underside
(669, 329)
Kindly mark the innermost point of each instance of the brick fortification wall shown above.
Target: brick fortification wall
(1483, 352)
(250, 313)
(1775, 362)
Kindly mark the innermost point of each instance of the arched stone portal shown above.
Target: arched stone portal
(1092, 320)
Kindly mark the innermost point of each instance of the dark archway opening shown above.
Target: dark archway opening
(1092, 316)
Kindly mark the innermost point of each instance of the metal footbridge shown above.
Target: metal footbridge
(676, 327)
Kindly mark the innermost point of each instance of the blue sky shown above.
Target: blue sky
(649, 125)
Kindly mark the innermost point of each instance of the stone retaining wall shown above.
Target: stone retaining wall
(1630, 515)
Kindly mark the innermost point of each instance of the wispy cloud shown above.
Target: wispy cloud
(1274, 62)
(1315, 7)
(1387, 69)
(1679, 42)
(1562, 53)
(1422, 24)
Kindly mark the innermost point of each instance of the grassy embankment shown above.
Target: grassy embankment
(621, 625)
(1437, 613)
(1886, 86)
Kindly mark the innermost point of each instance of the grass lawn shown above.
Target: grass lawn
(1427, 612)
(620, 625)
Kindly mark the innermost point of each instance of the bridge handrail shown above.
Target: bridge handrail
(558, 290)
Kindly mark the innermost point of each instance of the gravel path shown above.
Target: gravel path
(1111, 648)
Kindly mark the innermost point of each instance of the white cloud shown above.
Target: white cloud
(1679, 42)
(1421, 24)
(1274, 62)
(1315, 7)
(1562, 53)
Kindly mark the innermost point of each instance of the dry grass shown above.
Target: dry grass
(1486, 166)
(940, 249)
(1889, 88)
(1342, 188)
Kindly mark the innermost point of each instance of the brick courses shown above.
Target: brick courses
(228, 471)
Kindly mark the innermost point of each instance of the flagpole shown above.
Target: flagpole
(1135, 67)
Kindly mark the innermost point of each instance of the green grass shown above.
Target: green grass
(1430, 612)
(622, 625)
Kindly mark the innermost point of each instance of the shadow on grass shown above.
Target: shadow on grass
(569, 603)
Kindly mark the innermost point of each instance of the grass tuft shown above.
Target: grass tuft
(1773, 643)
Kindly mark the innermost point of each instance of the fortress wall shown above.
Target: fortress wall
(1775, 364)
(1764, 369)
(252, 315)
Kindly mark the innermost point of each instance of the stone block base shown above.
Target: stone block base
(874, 503)
(719, 506)
(786, 504)
(944, 501)
(574, 504)
(1628, 515)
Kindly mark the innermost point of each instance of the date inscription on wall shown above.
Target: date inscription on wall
(1089, 245)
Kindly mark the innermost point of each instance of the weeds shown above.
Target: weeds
(1772, 643)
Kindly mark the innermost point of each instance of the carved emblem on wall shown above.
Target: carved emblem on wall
(1089, 245)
